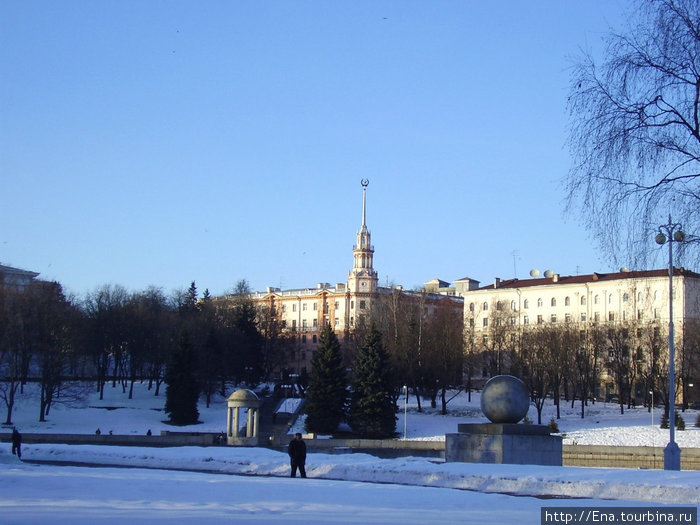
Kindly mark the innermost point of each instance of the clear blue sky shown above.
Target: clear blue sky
(156, 143)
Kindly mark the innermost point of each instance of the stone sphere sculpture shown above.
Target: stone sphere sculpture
(505, 399)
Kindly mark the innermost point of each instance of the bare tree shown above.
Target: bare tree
(444, 343)
(635, 129)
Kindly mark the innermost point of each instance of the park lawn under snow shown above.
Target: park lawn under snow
(349, 488)
(602, 425)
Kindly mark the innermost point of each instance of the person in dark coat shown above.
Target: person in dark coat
(16, 443)
(297, 455)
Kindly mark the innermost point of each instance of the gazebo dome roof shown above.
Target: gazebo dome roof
(243, 395)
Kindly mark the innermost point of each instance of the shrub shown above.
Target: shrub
(553, 427)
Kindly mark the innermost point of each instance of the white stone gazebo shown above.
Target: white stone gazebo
(242, 399)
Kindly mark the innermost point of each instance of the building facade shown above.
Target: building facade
(636, 301)
(16, 278)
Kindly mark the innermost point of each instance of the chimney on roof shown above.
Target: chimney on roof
(496, 282)
(555, 278)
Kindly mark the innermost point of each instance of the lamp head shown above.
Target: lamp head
(679, 236)
(660, 238)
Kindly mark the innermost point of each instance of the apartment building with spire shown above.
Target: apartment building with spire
(344, 305)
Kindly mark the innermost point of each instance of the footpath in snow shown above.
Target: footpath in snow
(526, 480)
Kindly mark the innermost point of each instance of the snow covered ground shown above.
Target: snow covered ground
(352, 488)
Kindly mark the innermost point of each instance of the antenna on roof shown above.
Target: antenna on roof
(515, 254)
(548, 273)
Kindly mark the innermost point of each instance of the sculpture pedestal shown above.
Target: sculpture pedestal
(503, 443)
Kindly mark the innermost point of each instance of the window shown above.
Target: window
(596, 299)
(352, 305)
(526, 319)
(539, 303)
(471, 322)
(567, 301)
(639, 297)
(567, 318)
(294, 307)
(471, 307)
(303, 338)
(512, 320)
(315, 324)
(485, 306)
(303, 324)
(337, 321)
(363, 305)
(284, 308)
(596, 317)
(539, 319)
(513, 306)
(610, 298)
(583, 300)
(656, 313)
(303, 355)
(485, 321)
(625, 297)
(337, 305)
(485, 339)
(303, 307)
(640, 315)
(284, 323)
(553, 302)
(499, 305)
(526, 304)
(611, 316)
(315, 306)
(315, 339)
(553, 318)
(294, 324)
(583, 317)
(656, 295)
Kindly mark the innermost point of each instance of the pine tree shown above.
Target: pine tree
(371, 407)
(327, 391)
(182, 392)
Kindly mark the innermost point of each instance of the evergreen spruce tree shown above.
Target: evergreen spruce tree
(182, 392)
(371, 406)
(327, 391)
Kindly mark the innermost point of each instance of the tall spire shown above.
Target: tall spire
(365, 183)
(363, 278)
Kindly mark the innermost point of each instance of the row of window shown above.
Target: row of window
(567, 318)
(304, 306)
(567, 301)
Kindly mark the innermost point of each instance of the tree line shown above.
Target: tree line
(112, 335)
(570, 360)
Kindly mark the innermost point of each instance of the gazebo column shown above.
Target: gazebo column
(235, 422)
(229, 421)
(249, 423)
(255, 422)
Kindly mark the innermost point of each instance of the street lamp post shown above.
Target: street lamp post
(672, 453)
(652, 418)
(405, 410)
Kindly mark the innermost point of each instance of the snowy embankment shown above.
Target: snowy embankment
(525, 480)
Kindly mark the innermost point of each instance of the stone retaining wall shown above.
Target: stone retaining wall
(625, 457)
(573, 455)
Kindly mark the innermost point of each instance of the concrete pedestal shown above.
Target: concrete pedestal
(504, 443)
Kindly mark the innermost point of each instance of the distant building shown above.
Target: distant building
(345, 306)
(15, 278)
(638, 300)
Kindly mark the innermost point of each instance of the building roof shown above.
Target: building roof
(16, 272)
(589, 278)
